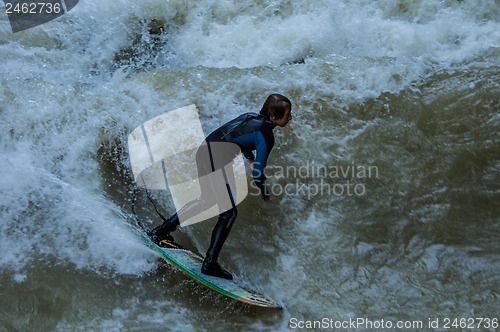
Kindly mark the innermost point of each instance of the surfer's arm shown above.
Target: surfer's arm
(259, 165)
(257, 140)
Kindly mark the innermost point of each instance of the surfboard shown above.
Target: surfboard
(190, 263)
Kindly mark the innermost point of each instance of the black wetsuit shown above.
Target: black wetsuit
(247, 132)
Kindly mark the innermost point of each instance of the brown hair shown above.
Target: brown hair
(275, 105)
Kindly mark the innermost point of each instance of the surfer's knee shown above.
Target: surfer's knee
(233, 213)
(230, 215)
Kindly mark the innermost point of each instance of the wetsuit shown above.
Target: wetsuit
(250, 132)
(247, 132)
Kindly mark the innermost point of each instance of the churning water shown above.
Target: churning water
(386, 183)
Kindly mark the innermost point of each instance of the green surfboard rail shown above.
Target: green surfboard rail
(190, 263)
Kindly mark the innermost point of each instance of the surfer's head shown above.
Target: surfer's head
(277, 108)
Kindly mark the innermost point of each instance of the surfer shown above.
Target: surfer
(246, 133)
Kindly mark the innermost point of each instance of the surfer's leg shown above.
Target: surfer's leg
(219, 236)
(194, 207)
(221, 231)
(189, 210)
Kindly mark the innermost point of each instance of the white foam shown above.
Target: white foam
(61, 99)
(242, 37)
(18, 277)
(45, 216)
